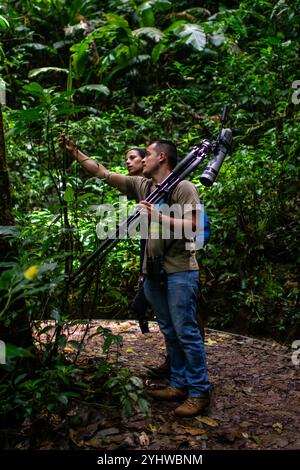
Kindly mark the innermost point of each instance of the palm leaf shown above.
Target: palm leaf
(35, 72)
(153, 33)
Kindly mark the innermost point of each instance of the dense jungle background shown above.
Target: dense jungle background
(117, 74)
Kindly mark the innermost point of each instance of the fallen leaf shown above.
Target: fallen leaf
(95, 442)
(129, 350)
(209, 342)
(70, 349)
(248, 390)
(24, 445)
(203, 437)
(207, 420)
(73, 435)
(125, 325)
(278, 427)
(117, 439)
(193, 430)
(108, 432)
(144, 439)
(165, 429)
(152, 428)
(138, 425)
(181, 438)
(252, 437)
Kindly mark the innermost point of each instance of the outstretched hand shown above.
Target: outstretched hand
(67, 143)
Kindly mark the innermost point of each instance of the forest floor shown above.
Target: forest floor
(255, 401)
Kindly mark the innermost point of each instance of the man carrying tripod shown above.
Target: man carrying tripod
(171, 273)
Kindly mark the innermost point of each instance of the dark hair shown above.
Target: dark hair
(141, 152)
(169, 148)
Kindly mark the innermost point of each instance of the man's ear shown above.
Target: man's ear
(162, 157)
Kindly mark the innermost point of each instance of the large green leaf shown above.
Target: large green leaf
(147, 15)
(192, 34)
(162, 5)
(35, 72)
(117, 20)
(15, 351)
(157, 51)
(99, 88)
(4, 24)
(35, 89)
(69, 194)
(80, 57)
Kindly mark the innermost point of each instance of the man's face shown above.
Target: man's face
(151, 161)
(134, 163)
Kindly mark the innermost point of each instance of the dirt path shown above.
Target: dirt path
(255, 400)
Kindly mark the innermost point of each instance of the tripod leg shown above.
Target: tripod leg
(139, 306)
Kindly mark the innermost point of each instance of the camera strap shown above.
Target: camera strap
(168, 200)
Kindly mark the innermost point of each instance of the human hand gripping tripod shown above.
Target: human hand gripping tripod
(220, 147)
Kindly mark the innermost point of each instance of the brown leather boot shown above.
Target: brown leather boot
(192, 406)
(168, 393)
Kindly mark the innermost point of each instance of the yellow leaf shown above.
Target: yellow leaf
(126, 325)
(129, 350)
(152, 428)
(278, 427)
(31, 272)
(209, 342)
(207, 420)
(69, 349)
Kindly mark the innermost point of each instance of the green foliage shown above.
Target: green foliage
(48, 391)
(4, 24)
(168, 75)
(129, 392)
(51, 386)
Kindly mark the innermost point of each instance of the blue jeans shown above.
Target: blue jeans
(175, 308)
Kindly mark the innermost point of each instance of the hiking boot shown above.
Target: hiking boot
(161, 372)
(168, 393)
(192, 406)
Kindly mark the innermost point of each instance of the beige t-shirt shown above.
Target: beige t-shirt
(181, 255)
